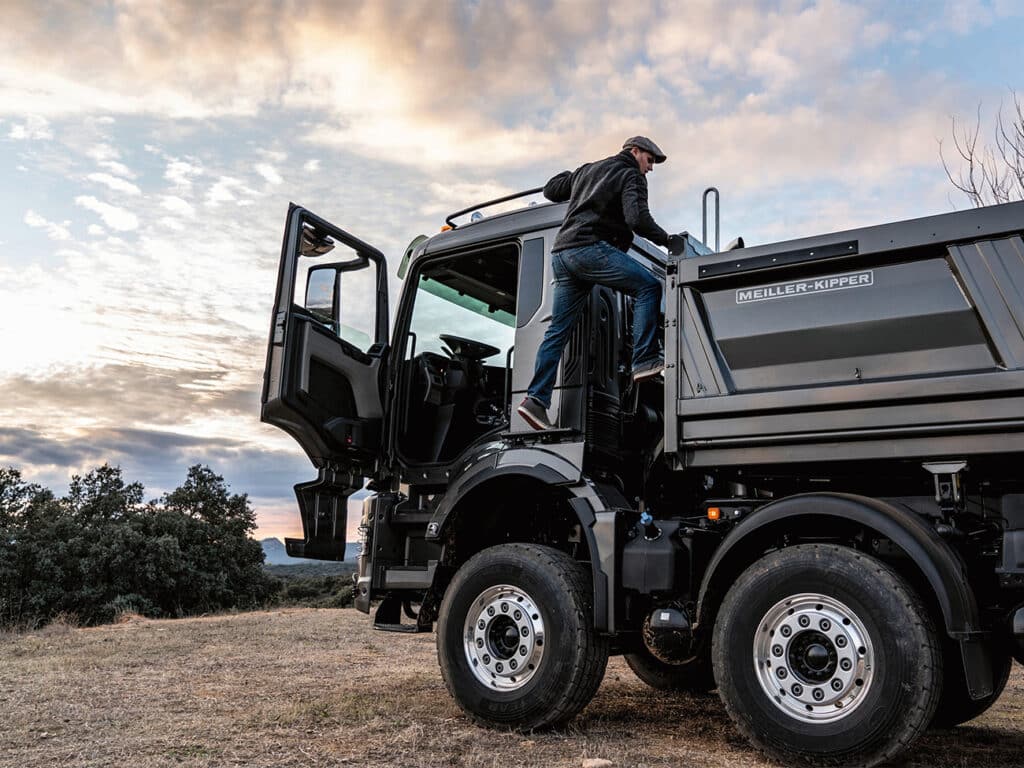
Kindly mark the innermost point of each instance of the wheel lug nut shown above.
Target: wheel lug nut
(522, 650)
(481, 625)
(524, 632)
(517, 615)
(499, 667)
(781, 673)
(825, 625)
(504, 607)
(837, 685)
(513, 663)
(841, 642)
(776, 650)
(818, 694)
(846, 665)
(786, 631)
(487, 659)
(490, 610)
(479, 642)
(797, 689)
(804, 621)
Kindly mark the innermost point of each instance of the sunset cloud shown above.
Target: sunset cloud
(150, 154)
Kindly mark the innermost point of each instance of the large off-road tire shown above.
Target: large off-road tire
(826, 656)
(515, 637)
(692, 676)
(956, 705)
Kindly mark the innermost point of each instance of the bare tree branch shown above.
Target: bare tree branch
(989, 174)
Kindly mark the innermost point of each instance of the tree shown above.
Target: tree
(993, 173)
(100, 551)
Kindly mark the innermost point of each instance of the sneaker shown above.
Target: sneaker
(648, 370)
(535, 414)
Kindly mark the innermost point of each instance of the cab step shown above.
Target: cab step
(389, 617)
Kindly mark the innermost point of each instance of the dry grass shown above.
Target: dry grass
(319, 687)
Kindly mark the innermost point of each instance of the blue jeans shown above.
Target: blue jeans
(577, 270)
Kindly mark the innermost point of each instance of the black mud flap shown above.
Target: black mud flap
(978, 666)
(323, 505)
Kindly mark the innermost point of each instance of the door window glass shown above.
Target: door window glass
(351, 314)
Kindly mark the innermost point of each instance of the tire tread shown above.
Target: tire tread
(910, 727)
(591, 657)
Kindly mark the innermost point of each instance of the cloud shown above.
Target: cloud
(54, 230)
(181, 172)
(434, 85)
(269, 173)
(108, 157)
(35, 128)
(115, 183)
(114, 217)
(175, 204)
(157, 459)
(224, 191)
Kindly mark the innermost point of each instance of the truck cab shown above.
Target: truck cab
(415, 411)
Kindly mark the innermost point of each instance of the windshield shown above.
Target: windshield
(471, 296)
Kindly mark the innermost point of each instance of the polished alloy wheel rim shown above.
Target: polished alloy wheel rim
(503, 637)
(813, 658)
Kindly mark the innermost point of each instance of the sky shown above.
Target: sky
(149, 150)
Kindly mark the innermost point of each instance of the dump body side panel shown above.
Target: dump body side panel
(852, 351)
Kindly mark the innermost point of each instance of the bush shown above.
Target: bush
(100, 551)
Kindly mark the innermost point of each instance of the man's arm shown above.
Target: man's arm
(559, 188)
(634, 208)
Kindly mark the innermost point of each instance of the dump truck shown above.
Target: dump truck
(817, 511)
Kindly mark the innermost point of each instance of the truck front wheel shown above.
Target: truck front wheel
(826, 656)
(515, 640)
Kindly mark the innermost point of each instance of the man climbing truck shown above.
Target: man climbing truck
(819, 509)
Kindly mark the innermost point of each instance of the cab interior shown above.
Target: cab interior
(459, 341)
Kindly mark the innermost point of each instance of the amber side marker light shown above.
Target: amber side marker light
(446, 227)
(714, 513)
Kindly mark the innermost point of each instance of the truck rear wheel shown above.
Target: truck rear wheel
(826, 656)
(515, 640)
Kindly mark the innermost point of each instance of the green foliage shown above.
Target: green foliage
(314, 585)
(100, 551)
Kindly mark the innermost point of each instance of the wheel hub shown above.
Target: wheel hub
(503, 637)
(813, 657)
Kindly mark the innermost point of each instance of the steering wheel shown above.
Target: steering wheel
(467, 348)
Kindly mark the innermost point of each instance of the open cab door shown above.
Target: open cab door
(325, 368)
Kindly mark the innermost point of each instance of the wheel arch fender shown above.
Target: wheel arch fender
(556, 469)
(939, 565)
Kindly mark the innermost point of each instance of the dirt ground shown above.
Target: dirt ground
(309, 687)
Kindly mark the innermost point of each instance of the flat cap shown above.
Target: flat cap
(642, 142)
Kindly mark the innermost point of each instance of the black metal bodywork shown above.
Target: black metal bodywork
(806, 385)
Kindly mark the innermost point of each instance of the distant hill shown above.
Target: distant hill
(274, 553)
